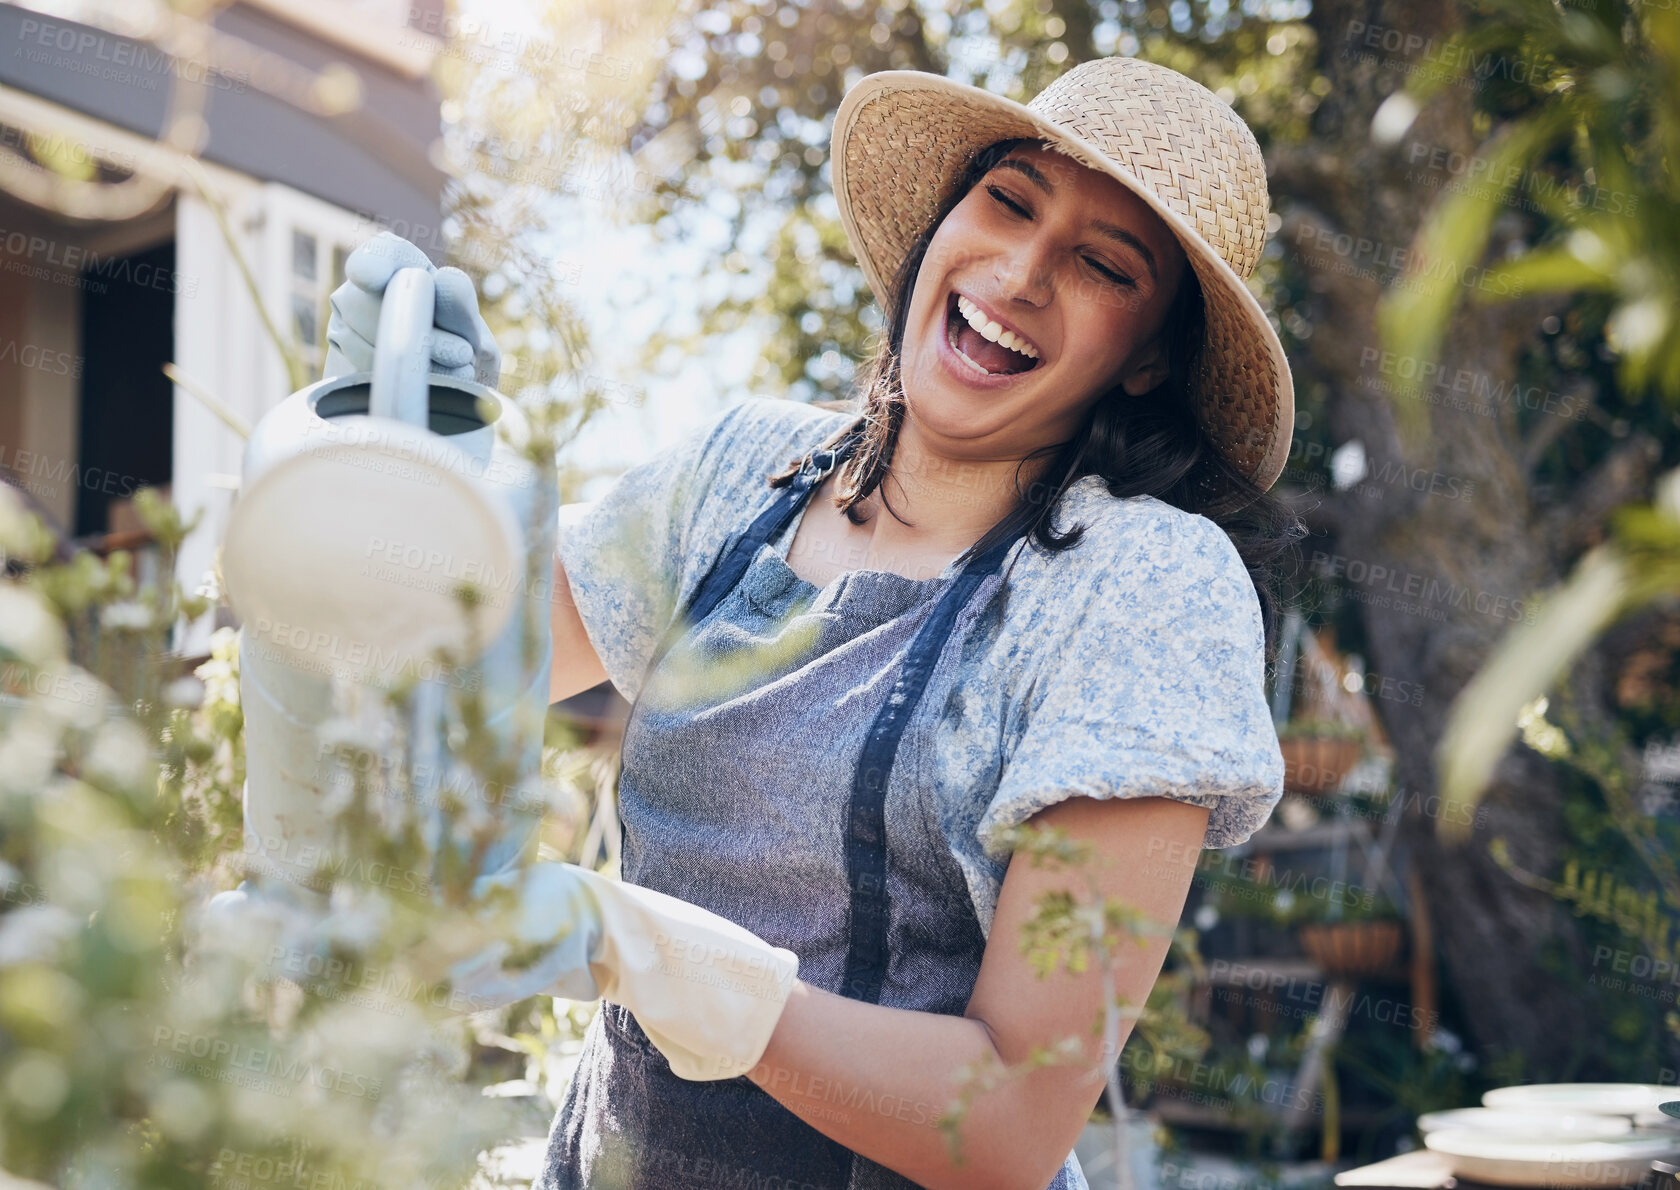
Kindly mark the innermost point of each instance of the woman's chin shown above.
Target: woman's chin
(946, 411)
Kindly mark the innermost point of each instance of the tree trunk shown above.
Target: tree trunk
(1438, 578)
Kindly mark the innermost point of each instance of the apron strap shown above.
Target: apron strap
(727, 570)
(866, 822)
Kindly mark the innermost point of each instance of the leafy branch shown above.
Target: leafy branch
(1076, 932)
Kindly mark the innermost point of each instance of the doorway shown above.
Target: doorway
(127, 419)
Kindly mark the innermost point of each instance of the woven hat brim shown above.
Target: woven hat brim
(890, 174)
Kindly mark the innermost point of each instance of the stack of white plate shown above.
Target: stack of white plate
(1557, 1135)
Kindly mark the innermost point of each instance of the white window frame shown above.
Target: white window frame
(285, 213)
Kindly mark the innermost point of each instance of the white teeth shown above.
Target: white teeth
(992, 330)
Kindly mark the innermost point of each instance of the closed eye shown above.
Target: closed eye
(1119, 278)
(1002, 197)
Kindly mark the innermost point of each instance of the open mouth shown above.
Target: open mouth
(982, 344)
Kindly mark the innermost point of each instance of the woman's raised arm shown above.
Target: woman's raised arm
(576, 667)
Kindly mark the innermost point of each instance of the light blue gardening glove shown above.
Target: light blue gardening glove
(462, 345)
(707, 992)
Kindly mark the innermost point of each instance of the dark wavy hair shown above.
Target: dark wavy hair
(1150, 445)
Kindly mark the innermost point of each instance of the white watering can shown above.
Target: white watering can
(367, 500)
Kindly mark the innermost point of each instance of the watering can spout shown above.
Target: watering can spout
(369, 501)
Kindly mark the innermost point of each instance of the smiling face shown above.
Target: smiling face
(1045, 286)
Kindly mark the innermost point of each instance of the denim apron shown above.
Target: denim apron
(755, 783)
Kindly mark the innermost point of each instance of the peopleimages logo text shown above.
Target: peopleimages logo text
(126, 61)
(72, 258)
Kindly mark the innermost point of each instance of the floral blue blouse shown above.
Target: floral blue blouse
(1131, 665)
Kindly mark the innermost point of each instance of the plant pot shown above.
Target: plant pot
(1317, 764)
(1352, 947)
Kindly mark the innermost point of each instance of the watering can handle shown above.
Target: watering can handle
(402, 354)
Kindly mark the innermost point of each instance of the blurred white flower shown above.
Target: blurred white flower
(221, 682)
(120, 754)
(22, 535)
(1284, 901)
(209, 587)
(185, 693)
(358, 920)
(75, 877)
(371, 1036)
(254, 925)
(29, 629)
(28, 751)
(182, 1109)
(126, 615)
(70, 694)
(14, 520)
(1206, 918)
(35, 934)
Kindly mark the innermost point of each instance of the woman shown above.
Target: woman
(859, 646)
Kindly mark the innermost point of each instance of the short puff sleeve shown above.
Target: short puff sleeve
(627, 555)
(638, 554)
(1153, 687)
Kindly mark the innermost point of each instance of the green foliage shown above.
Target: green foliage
(140, 1044)
(1077, 932)
(1620, 879)
(1293, 902)
(1411, 1080)
(1600, 109)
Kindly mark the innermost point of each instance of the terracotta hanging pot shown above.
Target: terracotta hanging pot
(1317, 764)
(1352, 947)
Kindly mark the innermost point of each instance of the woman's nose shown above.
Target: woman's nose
(1023, 273)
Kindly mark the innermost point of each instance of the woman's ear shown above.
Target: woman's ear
(1148, 370)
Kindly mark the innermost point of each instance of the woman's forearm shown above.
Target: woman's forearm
(878, 1080)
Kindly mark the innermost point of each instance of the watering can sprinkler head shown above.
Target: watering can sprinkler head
(368, 505)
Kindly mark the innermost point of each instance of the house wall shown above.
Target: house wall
(40, 357)
(39, 365)
(50, 393)
(372, 161)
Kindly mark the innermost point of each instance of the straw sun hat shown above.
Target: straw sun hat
(902, 137)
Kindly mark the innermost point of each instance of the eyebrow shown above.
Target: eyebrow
(1119, 234)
